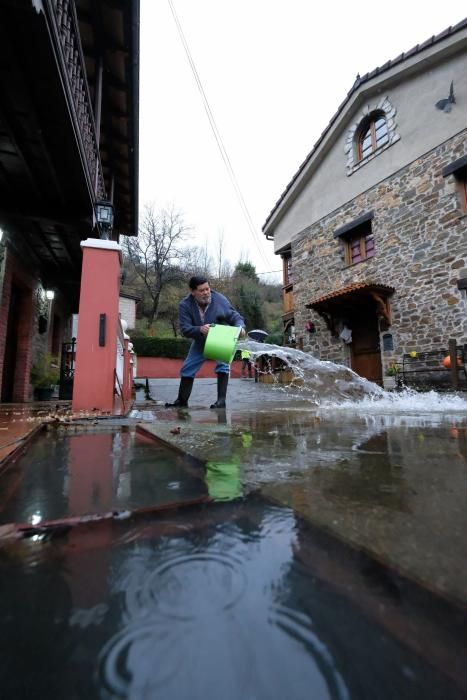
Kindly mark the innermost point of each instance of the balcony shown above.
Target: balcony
(287, 300)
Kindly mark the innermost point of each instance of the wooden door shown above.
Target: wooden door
(366, 353)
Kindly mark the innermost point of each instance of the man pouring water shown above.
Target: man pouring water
(200, 309)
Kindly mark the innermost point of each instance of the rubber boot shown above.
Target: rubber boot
(222, 382)
(184, 391)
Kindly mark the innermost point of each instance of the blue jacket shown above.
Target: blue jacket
(220, 310)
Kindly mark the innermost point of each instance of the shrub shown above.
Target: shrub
(174, 348)
(275, 339)
(45, 372)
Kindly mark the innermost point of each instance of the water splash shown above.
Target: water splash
(335, 387)
(312, 378)
(405, 403)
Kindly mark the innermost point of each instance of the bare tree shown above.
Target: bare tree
(158, 256)
(220, 253)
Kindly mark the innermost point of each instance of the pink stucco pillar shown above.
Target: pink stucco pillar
(96, 346)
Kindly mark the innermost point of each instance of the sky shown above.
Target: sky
(273, 73)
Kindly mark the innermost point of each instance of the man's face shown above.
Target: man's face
(202, 294)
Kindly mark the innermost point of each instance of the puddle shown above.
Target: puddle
(234, 600)
(63, 475)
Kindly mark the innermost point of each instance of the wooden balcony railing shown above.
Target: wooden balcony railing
(287, 301)
(64, 27)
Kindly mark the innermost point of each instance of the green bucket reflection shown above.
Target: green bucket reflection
(223, 480)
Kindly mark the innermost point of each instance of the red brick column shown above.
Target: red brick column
(15, 273)
(96, 345)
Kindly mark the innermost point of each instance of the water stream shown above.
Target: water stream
(336, 388)
(315, 379)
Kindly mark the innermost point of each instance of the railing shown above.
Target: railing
(64, 24)
(67, 369)
(119, 361)
(433, 370)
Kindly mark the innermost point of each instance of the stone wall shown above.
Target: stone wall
(420, 235)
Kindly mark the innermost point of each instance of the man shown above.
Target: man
(197, 311)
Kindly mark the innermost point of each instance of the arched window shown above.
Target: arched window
(373, 134)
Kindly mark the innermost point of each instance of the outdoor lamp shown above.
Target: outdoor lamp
(1, 234)
(104, 218)
(49, 294)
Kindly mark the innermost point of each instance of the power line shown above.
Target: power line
(217, 136)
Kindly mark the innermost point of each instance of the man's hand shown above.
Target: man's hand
(242, 333)
(205, 329)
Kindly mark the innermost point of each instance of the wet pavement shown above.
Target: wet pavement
(386, 477)
(234, 600)
(307, 551)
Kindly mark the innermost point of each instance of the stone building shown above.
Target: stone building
(372, 228)
(127, 308)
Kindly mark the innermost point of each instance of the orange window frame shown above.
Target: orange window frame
(369, 127)
(462, 186)
(361, 236)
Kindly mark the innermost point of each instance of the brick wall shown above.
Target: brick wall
(25, 282)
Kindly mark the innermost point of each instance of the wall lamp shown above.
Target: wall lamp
(104, 218)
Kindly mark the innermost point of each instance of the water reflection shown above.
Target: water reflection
(65, 475)
(239, 600)
(223, 480)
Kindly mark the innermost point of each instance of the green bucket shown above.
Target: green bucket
(221, 343)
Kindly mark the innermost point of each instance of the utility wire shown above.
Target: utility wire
(217, 135)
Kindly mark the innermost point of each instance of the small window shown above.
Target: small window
(458, 168)
(388, 342)
(373, 134)
(287, 263)
(461, 177)
(360, 245)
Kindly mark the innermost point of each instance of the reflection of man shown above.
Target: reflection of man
(197, 312)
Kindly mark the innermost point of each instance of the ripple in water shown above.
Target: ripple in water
(188, 587)
(138, 661)
(298, 627)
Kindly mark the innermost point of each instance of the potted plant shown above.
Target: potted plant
(44, 376)
(389, 380)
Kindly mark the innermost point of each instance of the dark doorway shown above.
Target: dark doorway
(11, 345)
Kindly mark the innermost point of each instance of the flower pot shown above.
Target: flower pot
(389, 383)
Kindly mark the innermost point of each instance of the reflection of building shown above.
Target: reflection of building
(68, 140)
(372, 226)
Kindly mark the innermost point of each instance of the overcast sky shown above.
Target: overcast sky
(274, 73)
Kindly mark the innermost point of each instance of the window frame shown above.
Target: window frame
(461, 180)
(369, 126)
(287, 276)
(362, 233)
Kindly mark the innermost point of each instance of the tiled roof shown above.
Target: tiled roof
(357, 84)
(356, 286)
